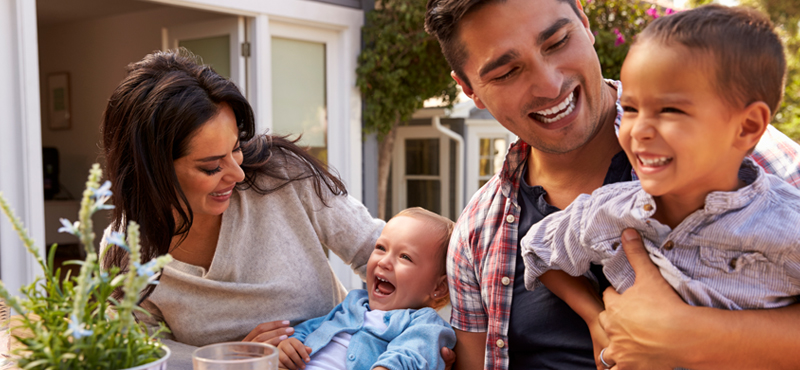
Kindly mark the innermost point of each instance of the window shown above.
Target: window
(298, 93)
(492, 153)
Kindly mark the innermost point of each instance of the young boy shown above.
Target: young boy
(699, 89)
(393, 324)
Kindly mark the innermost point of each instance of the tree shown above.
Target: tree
(399, 68)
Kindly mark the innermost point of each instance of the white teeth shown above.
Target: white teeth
(655, 162)
(384, 280)
(568, 104)
(221, 194)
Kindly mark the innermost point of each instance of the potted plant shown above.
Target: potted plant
(74, 323)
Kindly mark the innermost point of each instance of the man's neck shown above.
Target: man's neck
(565, 176)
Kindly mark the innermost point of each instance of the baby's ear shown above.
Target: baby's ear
(441, 288)
(755, 119)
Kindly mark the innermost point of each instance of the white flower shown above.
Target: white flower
(68, 227)
(78, 329)
(101, 195)
(118, 239)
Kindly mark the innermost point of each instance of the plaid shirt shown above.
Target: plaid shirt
(482, 254)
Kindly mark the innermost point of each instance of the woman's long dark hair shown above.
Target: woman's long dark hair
(148, 124)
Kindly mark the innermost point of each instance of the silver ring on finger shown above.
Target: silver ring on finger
(603, 361)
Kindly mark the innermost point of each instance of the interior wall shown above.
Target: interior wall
(95, 53)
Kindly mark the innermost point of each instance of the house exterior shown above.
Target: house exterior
(60, 60)
(294, 59)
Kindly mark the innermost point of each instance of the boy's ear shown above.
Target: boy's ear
(755, 119)
(468, 90)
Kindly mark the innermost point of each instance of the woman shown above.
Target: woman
(247, 217)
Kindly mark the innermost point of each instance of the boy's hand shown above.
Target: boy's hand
(293, 354)
(599, 341)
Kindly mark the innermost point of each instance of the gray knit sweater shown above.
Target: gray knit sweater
(269, 265)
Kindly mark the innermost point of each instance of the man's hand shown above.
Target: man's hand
(293, 354)
(272, 332)
(642, 320)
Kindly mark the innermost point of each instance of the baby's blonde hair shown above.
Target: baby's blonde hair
(442, 225)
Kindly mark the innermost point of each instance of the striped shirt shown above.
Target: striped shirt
(741, 251)
(482, 254)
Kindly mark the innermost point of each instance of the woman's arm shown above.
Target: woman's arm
(650, 327)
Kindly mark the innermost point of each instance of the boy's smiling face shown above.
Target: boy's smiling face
(404, 268)
(679, 134)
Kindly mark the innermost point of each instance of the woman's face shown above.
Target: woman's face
(210, 169)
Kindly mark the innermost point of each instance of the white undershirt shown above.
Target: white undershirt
(334, 355)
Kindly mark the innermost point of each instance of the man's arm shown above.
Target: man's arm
(470, 350)
(650, 327)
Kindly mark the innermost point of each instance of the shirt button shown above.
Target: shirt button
(505, 280)
(669, 245)
(648, 207)
(351, 357)
(500, 343)
(732, 263)
(510, 218)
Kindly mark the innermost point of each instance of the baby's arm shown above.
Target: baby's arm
(579, 294)
(293, 354)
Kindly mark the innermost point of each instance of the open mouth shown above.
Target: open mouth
(558, 111)
(654, 162)
(224, 193)
(383, 287)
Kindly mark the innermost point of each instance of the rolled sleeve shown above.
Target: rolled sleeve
(555, 243)
(465, 291)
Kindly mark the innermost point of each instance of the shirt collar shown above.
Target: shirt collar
(717, 202)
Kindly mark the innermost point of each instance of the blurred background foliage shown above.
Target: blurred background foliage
(616, 22)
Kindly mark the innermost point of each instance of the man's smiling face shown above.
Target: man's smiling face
(531, 63)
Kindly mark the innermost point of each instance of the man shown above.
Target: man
(531, 63)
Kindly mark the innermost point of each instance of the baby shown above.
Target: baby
(393, 324)
(699, 89)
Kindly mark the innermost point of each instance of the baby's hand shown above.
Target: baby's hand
(294, 354)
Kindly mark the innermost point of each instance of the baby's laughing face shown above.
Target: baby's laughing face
(404, 268)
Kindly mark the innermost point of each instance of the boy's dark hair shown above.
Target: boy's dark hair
(442, 19)
(748, 58)
(442, 225)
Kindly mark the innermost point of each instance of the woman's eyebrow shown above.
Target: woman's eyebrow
(210, 158)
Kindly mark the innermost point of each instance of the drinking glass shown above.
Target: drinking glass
(5, 335)
(236, 356)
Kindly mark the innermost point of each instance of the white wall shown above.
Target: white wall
(95, 53)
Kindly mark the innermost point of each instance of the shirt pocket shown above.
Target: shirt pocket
(727, 264)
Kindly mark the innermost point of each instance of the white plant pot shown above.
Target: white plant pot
(160, 364)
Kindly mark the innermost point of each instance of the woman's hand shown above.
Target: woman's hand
(272, 332)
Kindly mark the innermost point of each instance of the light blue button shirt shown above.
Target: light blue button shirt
(741, 251)
(412, 339)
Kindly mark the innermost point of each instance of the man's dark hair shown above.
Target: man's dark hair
(442, 19)
(747, 55)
